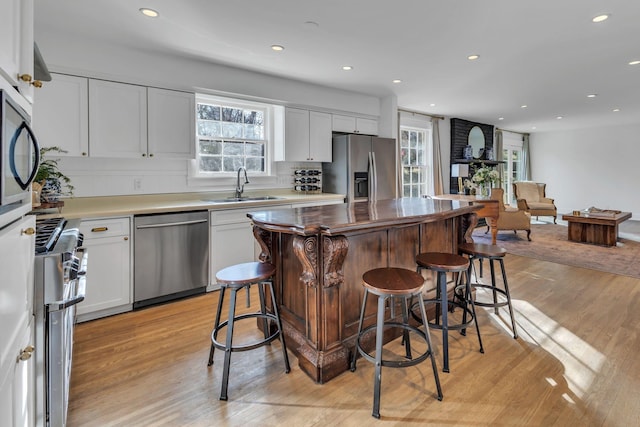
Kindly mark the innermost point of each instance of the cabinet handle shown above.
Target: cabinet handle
(84, 153)
(26, 353)
(25, 77)
(37, 83)
(126, 238)
(29, 231)
(151, 155)
(144, 155)
(99, 229)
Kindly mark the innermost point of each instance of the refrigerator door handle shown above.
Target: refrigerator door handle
(374, 176)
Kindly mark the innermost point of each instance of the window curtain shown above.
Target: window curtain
(499, 155)
(526, 162)
(438, 187)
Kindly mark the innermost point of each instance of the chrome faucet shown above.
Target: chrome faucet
(240, 187)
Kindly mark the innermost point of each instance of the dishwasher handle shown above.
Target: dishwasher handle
(171, 224)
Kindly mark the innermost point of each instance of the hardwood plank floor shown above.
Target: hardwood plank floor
(575, 363)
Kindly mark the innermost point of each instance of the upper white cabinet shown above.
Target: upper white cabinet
(307, 136)
(118, 119)
(171, 118)
(16, 44)
(99, 118)
(351, 124)
(61, 115)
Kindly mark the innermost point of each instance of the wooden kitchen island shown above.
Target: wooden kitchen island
(321, 253)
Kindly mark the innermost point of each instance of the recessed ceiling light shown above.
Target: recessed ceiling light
(347, 67)
(634, 62)
(533, 127)
(523, 106)
(592, 95)
(277, 47)
(397, 81)
(601, 18)
(615, 110)
(500, 118)
(559, 117)
(149, 12)
(432, 105)
(473, 57)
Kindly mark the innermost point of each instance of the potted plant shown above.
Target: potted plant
(52, 182)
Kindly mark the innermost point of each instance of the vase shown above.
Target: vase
(484, 190)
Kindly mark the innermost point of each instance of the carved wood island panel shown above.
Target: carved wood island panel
(320, 254)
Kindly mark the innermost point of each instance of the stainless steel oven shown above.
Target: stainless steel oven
(19, 158)
(60, 283)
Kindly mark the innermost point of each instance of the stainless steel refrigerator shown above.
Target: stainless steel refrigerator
(363, 168)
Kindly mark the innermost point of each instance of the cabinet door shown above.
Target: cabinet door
(17, 387)
(296, 135)
(320, 137)
(61, 115)
(109, 268)
(230, 244)
(366, 126)
(172, 124)
(343, 123)
(117, 119)
(16, 43)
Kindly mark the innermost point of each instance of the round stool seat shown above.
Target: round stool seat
(245, 274)
(440, 261)
(482, 250)
(392, 281)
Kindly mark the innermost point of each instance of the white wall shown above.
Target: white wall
(101, 177)
(589, 167)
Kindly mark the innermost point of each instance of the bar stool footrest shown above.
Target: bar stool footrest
(491, 288)
(250, 346)
(454, 326)
(394, 363)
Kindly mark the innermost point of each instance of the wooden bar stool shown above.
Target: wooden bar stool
(443, 263)
(235, 278)
(492, 253)
(391, 283)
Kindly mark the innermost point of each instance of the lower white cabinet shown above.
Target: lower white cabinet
(108, 242)
(17, 361)
(231, 239)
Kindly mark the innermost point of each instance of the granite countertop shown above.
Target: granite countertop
(94, 207)
(336, 219)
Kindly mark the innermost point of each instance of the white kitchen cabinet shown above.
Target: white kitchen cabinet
(231, 239)
(171, 119)
(61, 115)
(118, 119)
(16, 44)
(17, 361)
(109, 268)
(307, 136)
(351, 124)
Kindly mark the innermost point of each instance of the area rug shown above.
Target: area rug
(549, 243)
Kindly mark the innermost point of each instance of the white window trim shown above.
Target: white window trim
(412, 122)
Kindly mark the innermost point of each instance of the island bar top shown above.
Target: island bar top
(321, 253)
(341, 218)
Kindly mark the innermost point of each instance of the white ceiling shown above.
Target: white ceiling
(546, 54)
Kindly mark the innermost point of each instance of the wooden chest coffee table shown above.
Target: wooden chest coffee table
(598, 229)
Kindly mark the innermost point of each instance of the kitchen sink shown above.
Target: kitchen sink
(242, 199)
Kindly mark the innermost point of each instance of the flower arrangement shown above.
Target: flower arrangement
(485, 175)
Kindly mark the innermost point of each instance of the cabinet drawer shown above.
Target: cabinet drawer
(102, 228)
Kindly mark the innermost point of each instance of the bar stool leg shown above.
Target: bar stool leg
(355, 350)
(378, 370)
(493, 286)
(287, 368)
(216, 323)
(425, 323)
(228, 345)
(263, 310)
(506, 290)
(405, 333)
(469, 297)
(444, 305)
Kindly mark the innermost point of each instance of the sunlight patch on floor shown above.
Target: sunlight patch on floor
(581, 361)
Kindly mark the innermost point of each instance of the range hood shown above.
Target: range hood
(40, 70)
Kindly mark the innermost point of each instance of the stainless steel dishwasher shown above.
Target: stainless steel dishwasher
(171, 256)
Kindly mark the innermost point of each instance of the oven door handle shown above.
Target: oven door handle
(66, 303)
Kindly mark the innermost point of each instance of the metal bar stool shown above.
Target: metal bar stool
(443, 263)
(391, 283)
(235, 278)
(492, 253)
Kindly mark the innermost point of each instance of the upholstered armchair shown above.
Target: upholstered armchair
(511, 218)
(531, 197)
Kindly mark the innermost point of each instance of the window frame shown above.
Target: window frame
(426, 184)
(511, 143)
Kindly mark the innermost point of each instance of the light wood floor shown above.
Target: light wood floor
(576, 363)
